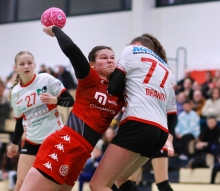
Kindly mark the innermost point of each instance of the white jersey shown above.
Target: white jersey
(39, 119)
(149, 94)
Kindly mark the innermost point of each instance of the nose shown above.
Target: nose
(109, 60)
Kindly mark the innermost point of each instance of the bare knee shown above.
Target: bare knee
(18, 184)
(92, 185)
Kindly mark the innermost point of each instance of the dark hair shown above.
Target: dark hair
(188, 101)
(158, 48)
(92, 54)
(212, 90)
(211, 117)
(145, 41)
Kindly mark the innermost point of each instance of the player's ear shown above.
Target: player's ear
(92, 64)
(15, 68)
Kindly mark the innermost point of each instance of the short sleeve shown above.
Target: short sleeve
(56, 86)
(14, 100)
(171, 102)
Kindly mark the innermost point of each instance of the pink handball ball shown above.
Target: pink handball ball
(53, 16)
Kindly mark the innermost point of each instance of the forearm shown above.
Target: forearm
(171, 122)
(65, 99)
(170, 138)
(18, 132)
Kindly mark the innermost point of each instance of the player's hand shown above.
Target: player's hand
(200, 145)
(12, 150)
(49, 31)
(169, 146)
(170, 149)
(48, 99)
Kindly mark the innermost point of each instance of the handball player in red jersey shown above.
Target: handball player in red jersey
(63, 154)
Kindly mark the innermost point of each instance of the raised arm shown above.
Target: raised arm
(71, 50)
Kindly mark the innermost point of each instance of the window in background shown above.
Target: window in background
(29, 10)
(83, 7)
(33, 9)
(7, 11)
(162, 3)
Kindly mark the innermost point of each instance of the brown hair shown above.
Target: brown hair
(92, 54)
(145, 41)
(158, 48)
(17, 79)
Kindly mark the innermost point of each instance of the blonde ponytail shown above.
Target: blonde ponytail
(17, 79)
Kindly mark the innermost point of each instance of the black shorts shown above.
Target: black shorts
(30, 149)
(140, 138)
(160, 154)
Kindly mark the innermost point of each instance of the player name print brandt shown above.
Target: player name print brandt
(38, 117)
(154, 93)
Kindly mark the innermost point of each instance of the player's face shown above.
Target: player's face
(104, 63)
(25, 67)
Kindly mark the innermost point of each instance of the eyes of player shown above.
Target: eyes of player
(23, 63)
(106, 57)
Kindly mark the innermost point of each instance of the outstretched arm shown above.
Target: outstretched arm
(71, 50)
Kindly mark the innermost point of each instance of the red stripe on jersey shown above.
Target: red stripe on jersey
(165, 149)
(144, 121)
(19, 116)
(121, 70)
(29, 82)
(63, 90)
(170, 113)
(51, 106)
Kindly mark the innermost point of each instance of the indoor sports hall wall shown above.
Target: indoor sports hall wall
(195, 27)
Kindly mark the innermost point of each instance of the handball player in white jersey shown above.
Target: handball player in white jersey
(160, 160)
(143, 129)
(34, 98)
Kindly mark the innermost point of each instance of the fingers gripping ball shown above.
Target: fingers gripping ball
(53, 16)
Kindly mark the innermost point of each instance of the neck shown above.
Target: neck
(26, 81)
(104, 77)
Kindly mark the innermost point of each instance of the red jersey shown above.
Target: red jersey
(93, 104)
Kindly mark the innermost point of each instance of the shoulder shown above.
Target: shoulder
(15, 89)
(128, 50)
(44, 75)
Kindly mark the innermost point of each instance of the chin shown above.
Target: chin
(110, 71)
